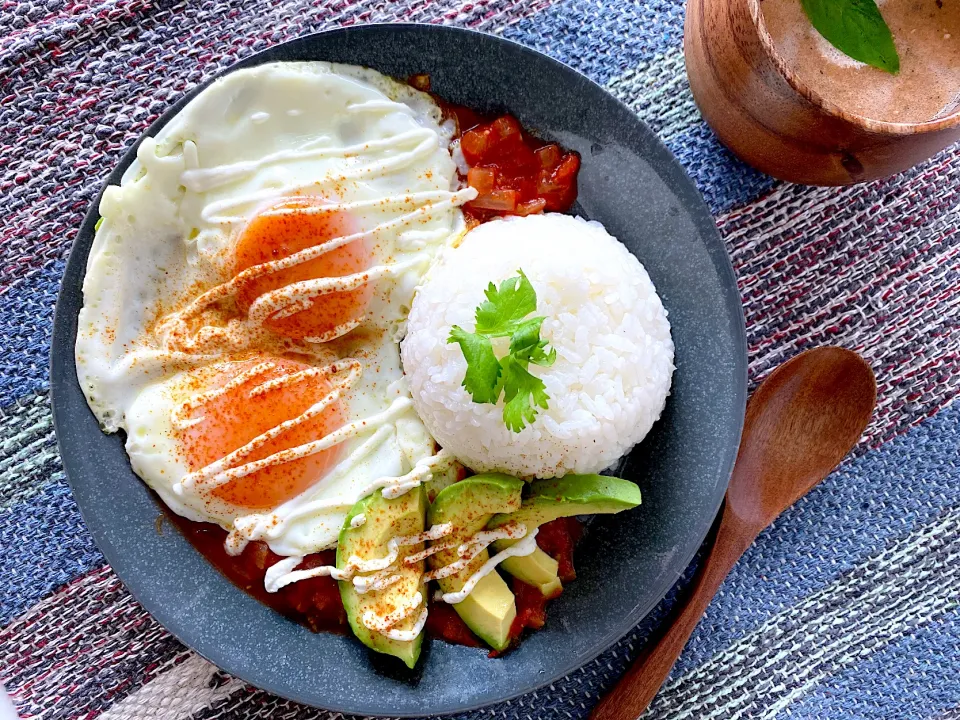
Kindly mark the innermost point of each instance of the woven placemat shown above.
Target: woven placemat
(849, 607)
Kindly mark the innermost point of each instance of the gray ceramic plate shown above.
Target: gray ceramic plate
(626, 563)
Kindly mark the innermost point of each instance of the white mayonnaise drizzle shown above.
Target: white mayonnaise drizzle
(285, 573)
(475, 545)
(384, 568)
(421, 473)
(408, 635)
(382, 623)
(179, 418)
(207, 179)
(174, 329)
(527, 546)
(383, 572)
(299, 296)
(358, 520)
(268, 526)
(293, 378)
(377, 581)
(223, 470)
(393, 548)
(407, 202)
(427, 552)
(271, 580)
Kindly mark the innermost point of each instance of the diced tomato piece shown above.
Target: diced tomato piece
(444, 623)
(498, 200)
(517, 157)
(566, 171)
(560, 178)
(475, 144)
(317, 598)
(531, 207)
(531, 612)
(506, 127)
(557, 539)
(525, 186)
(549, 156)
(546, 184)
(481, 178)
(260, 555)
(527, 177)
(531, 605)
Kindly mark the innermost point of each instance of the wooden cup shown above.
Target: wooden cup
(763, 112)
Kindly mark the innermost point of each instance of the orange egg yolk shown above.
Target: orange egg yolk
(230, 420)
(290, 227)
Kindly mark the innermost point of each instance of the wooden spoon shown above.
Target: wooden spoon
(800, 423)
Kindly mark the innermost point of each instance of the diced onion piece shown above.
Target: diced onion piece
(475, 144)
(549, 156)
(482, 179)
(531, 207)
(506, 127)
(499, 200)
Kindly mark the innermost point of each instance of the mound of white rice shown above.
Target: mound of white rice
(614, 360)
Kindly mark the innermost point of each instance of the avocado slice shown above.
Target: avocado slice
(384, 520)
(537, 569)
(469, 505)
(557, 498)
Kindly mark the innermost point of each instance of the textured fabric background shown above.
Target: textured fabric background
(848, 608)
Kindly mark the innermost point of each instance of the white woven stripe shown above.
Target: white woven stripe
(658, 91)
(28, 450)
(876, 603)
(177, 693)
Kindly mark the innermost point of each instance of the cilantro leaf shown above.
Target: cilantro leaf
(483, 368)
(501, 313)
(526, 345)
(523, 394)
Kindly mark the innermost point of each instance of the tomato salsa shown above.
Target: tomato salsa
(315, 602)
(514, 172)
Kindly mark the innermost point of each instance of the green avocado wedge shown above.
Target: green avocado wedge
(557, 498)
(384, 520)
(469, 505)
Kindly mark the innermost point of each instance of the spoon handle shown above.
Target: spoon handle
(633, 693)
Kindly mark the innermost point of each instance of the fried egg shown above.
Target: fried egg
(246, 291)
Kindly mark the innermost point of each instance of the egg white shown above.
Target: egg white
(168, 234)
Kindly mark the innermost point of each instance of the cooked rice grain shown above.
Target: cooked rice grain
(614, 350)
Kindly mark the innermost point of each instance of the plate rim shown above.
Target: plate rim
(671, 172)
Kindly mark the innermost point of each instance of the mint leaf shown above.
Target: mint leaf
(523, 393)
(483, 368)
(857, 29)
(504, 308)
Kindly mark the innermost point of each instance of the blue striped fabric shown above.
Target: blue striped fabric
(848, 608)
